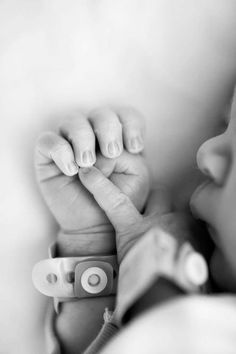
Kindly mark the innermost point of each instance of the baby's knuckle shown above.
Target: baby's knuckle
(119, 126)
(83, 133)
(112, 128)
(100, 112)
(72, 118)
(74, 136)
(64, 126)
(44, 138)
(59, 149)
(132, 115)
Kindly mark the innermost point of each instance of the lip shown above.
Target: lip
(200, 188)
(194, 196)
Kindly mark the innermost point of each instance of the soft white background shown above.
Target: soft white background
(173, 60)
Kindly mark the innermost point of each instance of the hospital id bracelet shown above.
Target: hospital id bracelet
(71, 278)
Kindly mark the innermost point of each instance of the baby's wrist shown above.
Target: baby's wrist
(99, 240)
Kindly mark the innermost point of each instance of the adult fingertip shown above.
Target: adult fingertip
(85, 170)
(90, 176)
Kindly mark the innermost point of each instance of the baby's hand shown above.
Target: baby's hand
(86, 229)
(59, 155)
(113, 132)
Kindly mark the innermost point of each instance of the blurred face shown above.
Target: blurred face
(215, 201)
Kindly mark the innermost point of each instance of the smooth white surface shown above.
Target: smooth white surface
(102, 280)
(173, 60)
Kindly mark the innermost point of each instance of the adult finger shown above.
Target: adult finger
(133, 129)
(108, 130)
(78, 131)
(159, 202)
(52, 147)
(117, 206)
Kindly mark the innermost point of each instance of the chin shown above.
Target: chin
(222, 273)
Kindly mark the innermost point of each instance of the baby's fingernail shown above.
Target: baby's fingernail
(113, 149)
(72, 168)
(136, 144)
(88, 158)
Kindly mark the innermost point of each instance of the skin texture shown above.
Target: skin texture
(91, 201)
(216, 160)
(173, 60)
(129, 225)
(57, 162)
(58, 158)
(214, 202)
(128, 222)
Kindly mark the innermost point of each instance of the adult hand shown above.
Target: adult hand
(128, 222)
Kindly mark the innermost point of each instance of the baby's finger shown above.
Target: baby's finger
(78, 131)
(117, 206)
(108, 130)
(51, 147)
(133, 129)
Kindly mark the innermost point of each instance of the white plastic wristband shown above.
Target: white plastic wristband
(71, 278)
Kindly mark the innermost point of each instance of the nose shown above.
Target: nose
(213, 159)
